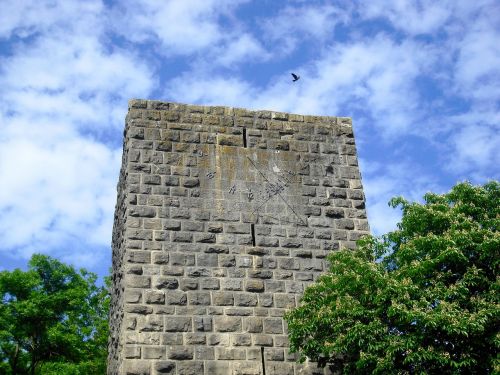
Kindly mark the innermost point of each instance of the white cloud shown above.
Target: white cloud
(243, 48)
(428, 17)
(58, 188)
(24, 18)
(414, 17)
(475, 151)
(215, 90)
(206, 29)
(72, 78)
(477, 72)
(474, 133)
(62, 90)
(180, 27)
(294, 24)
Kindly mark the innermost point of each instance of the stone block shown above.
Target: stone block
(133, 281)
(135, 367)
(290, 242)
(232, 354)
(139, 257)
(207, 260)
(215, 227)
(237, 284)
(172, 339)
(279, 368)
(289, 264)
(142, 211)
(253, 354)
(244, 261)
(223, 298)
(252, 325)
(198, 271)
(286, 301)
(254, 286)
(186, 283)
(182, 237)
(202, 323)
(132, 352)
(180, 353)
(138, 309)
(195, 338)
(150, 323)
(227, 323)
(199, 298)
(176, 298)
(229, 140)
(344, 224)
(281, 341)
(274, 355)
(241, 340)
(172, 271)
(180, 259)
(245, 299)
(154, 297)
(267, 242)
(273, 325)
(218, 368)
(204, 353)
(238, 311)
(227, 260)
(210, 284)
(260, 274)
(133, 296)
(160, 257)
(164, 367)
(166, 283)
(263, 340)
(266, 299)
(237, 228)
(205, 237)
(153, 352)
(178, 324)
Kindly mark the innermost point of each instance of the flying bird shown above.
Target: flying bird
(295, 77)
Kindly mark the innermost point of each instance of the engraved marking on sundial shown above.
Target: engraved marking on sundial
(275, 189)
(238, 179)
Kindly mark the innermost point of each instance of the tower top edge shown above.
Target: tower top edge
(147, 104)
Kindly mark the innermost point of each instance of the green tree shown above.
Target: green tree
(423, 299)
(53, 320)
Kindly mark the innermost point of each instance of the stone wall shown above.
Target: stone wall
(223, 217)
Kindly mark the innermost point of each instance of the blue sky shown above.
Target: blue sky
(421, 80)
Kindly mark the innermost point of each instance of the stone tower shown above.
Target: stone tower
(223, 217)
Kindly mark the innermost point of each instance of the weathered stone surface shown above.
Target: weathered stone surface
(254, 286)
(223, 218)
(227, 324)
(180, 352)
(164, 367)
(178, 324)
(155, 297)
(137, 367)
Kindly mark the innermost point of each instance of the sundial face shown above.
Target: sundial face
(263, 184)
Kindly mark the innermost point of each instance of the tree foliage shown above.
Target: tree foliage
(53, 320)
(423, 299)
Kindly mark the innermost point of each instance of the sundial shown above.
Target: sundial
(262, 183)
